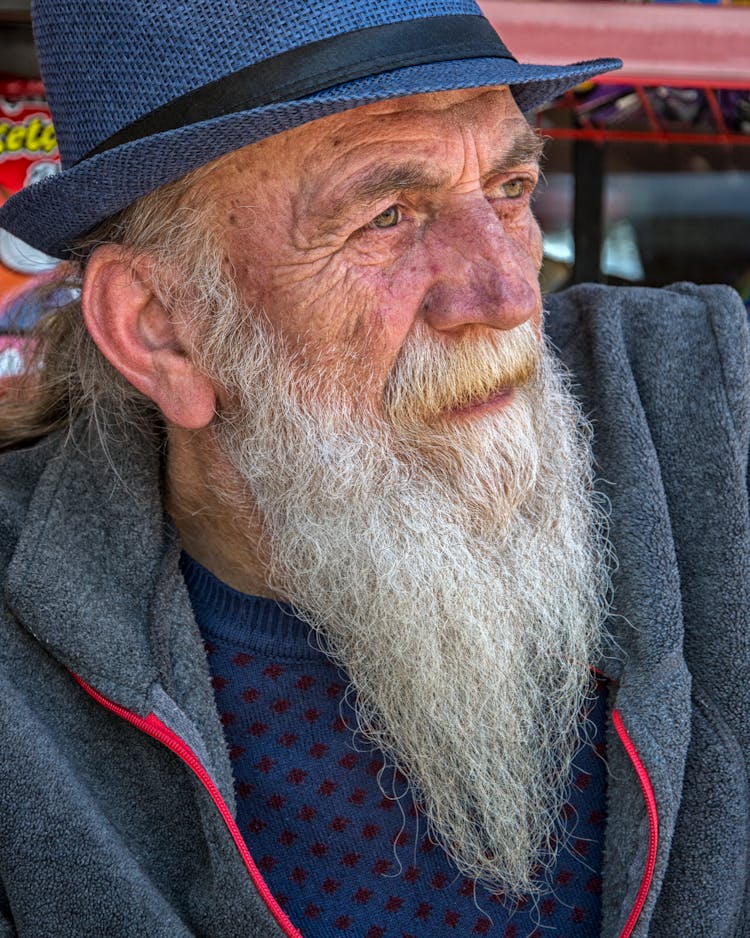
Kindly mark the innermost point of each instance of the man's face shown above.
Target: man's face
(418, 465)
(353, 231)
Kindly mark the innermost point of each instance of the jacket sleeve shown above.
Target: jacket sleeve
(664, 376)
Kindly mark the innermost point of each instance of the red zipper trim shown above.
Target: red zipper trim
(153, 726)
(653, 822)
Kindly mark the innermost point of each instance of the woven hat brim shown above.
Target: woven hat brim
(51, 214)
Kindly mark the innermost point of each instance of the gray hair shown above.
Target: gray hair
(65, 376)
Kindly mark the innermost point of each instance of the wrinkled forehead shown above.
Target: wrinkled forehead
(419, 127)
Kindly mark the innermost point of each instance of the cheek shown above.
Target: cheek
(300, 296)
(336, 316)
(389, 302)
(534, 242)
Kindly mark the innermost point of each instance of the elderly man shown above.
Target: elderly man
(317, 617)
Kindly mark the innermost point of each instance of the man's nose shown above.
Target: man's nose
(482, 274)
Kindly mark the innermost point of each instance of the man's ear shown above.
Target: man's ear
(136, 334)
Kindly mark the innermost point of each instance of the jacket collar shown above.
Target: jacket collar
(91, 562)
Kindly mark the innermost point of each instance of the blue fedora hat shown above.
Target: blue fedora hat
(143, 91)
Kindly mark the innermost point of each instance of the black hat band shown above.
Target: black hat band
(317, 66)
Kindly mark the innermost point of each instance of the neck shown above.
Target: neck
(224, 538)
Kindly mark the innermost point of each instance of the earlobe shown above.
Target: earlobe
(136, 334)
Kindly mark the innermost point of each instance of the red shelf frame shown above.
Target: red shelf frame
(656, 133)
(682, 46)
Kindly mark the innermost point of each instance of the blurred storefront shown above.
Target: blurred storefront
(647, 176)
(28, 153)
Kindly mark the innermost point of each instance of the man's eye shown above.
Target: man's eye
(387, 219)
(514, 188)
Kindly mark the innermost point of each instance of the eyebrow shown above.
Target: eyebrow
(527, 147)
(381, 181)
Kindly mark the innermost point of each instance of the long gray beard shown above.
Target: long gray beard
(454, 569)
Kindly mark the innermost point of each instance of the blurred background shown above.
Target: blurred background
(647, 173)
(647, 177)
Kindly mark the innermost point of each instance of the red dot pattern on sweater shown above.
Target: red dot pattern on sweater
(341, 855)
(325, 787)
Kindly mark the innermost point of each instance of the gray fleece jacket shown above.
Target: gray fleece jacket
(116, 804)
